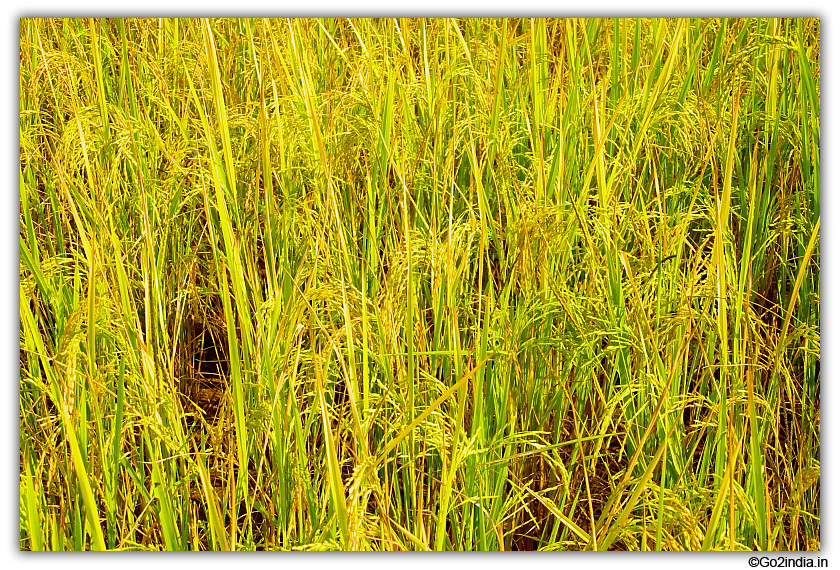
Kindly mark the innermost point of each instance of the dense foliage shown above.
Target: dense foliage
(404, 284)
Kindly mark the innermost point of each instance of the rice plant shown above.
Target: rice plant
(419, 284)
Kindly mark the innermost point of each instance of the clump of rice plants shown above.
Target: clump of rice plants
(409, 284)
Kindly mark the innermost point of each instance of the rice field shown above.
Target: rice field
(419, 284)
